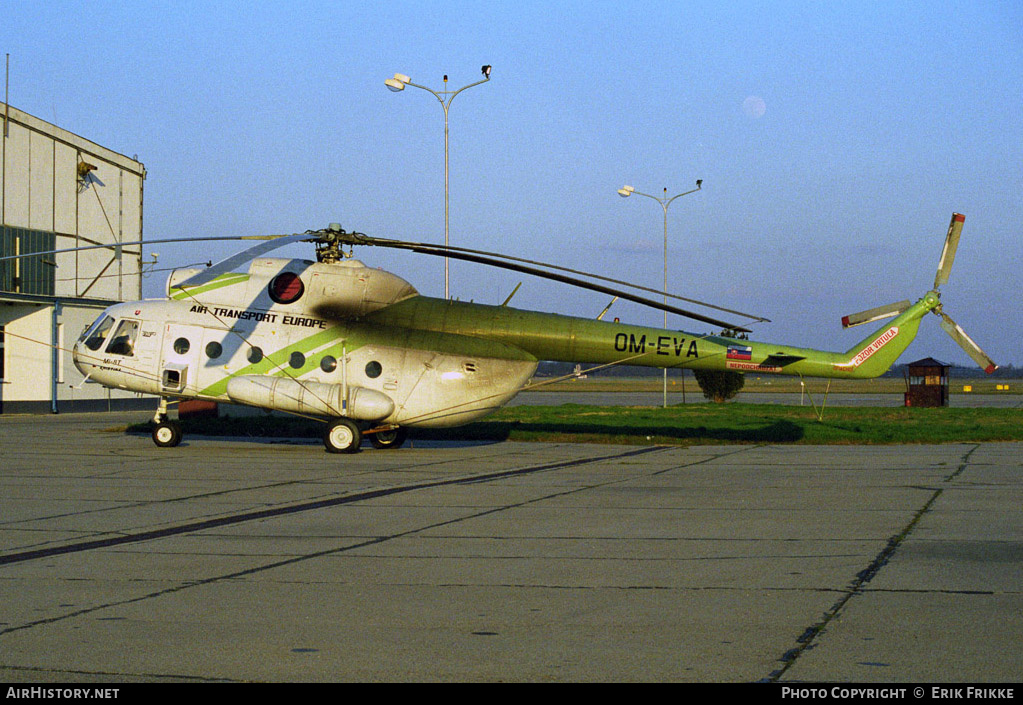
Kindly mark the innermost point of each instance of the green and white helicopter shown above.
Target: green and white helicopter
(360, 347)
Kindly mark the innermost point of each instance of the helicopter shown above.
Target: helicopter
(361, 348)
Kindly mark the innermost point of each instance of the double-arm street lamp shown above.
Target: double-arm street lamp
(445, 97)
(627, 191)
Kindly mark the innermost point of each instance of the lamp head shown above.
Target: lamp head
(398, 82)
(486, 70)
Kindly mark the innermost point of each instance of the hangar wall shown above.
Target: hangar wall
(60, 191)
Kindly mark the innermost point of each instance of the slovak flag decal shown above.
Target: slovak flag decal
(739, 352)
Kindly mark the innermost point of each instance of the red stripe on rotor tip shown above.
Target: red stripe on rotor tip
(959, 217)
(990, 368)
(845, 321)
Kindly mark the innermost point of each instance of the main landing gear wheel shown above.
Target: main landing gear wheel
(167, 434)
(342, 436)
(392, 438)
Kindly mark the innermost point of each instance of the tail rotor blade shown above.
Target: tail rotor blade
(875, 314)
(948, 253)
(966, 343)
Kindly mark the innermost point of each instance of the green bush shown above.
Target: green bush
(718, 385)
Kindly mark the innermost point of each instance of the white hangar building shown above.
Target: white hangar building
(60, 191)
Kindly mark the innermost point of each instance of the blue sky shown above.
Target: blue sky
(879, 120)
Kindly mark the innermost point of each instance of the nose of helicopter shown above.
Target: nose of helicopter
(79, 358)
(83, 352)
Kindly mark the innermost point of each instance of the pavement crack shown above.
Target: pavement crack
(806, 640)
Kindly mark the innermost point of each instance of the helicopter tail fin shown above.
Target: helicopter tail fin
(873, 355)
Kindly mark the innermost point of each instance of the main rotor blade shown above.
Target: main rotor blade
(874, 314)
(426, 250)
(966, 343)
(449, 251)
(115, 245)
(619, 282)
(948, 252)
(338, 236)
(239, 258)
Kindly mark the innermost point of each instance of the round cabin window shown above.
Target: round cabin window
(214, 350)
(297, 360)
(286, 288)
(328, 363)
(373, 369)
(181, 346)
(254, 355)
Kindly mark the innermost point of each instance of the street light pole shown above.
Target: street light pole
(627, 191)
(445, 97)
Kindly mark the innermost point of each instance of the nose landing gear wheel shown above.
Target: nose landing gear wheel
(342, 436)
(167, 434)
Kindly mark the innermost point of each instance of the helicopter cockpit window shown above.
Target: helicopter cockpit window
(123, 341)
(96, 336)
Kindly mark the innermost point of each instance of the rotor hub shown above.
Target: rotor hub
(329, 242)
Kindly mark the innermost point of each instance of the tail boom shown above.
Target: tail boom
(563, 338)
(871, 357)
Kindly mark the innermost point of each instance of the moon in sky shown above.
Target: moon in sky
(754, 107)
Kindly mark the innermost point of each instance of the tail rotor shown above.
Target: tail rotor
(953, 329)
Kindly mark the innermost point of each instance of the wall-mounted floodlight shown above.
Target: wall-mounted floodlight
(625, 191)
(84, 168)
(699, 183)
(486, 70)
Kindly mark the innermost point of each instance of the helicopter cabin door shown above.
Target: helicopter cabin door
(179, 361)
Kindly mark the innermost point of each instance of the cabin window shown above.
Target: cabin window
(254, 355)
(373, 369)
(182, 346)
(214, 350)
(123, 340)
(297, 360)
(286, 288)
(96, 336)
(328, 363)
